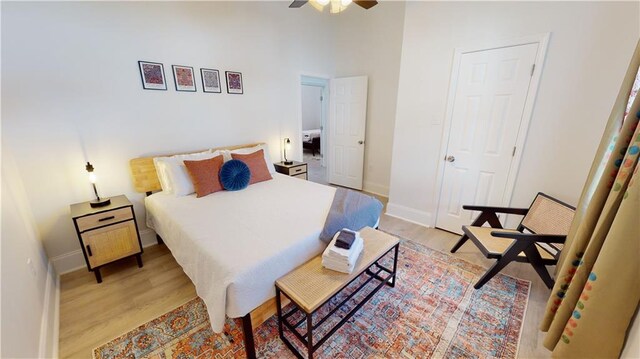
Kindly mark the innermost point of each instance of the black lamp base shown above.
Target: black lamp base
(101, 202)
(288, 163)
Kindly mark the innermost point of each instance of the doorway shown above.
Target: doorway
(490, 105)
(314, 100)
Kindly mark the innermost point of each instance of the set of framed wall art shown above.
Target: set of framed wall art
(152, 75)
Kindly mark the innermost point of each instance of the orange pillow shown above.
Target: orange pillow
(205, 175)
(257, 165)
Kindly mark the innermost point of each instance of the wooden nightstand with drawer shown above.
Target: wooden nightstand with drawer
(107, 234)
(297, 169)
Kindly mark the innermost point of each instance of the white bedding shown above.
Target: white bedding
(309, 135)
(234, 245)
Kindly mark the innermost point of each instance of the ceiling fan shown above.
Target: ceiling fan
(336, 5)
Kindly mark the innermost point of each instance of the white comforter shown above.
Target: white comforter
(234, 245)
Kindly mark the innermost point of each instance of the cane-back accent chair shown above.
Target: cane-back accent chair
(538, 239)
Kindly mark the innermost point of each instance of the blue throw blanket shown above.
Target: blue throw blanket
(352, 210)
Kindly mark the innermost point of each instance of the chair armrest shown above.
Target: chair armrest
(542, 238)
(507, 210)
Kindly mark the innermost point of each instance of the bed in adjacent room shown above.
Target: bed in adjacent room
(233, 245)
(311, 140)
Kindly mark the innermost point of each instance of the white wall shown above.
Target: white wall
(371, 45)
(72, 91)
(590, 48)
(311, 107)
(28, 283)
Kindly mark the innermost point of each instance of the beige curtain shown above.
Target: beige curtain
(597, 287)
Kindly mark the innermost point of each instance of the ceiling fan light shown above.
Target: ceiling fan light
(345, 3)
(316, 5)
(321, 2)
(336, 6)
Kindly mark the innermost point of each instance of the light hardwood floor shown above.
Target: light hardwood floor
(92, 314)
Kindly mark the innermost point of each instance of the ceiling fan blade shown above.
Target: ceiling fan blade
(366, 4)
(297, 3)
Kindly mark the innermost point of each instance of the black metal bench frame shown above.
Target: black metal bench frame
(375, 272)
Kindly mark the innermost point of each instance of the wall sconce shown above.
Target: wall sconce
(98, 202)
(287, 146)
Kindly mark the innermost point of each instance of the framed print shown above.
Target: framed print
(152, 75)
(210, 80)
(183, 78)
(234, 82)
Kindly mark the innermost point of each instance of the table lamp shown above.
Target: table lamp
(98, 202)
(287, 146)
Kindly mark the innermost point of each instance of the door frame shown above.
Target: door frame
(322, 82)
(543, 41)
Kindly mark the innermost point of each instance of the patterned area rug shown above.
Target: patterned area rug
(432, 312)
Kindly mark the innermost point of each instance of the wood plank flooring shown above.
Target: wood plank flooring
(92, 314)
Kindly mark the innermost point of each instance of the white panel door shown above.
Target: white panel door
(347, 122)
(490, 95)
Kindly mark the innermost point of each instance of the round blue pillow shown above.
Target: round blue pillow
(235, 175)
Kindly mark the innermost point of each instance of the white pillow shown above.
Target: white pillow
(176, 174)
(245, 151)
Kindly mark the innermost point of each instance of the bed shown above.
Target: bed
(209, 237)
(233, 245)
(311, 140)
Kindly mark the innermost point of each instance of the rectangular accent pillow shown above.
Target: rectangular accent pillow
(163, 176)
(248, 150)
(176, 173)
(257, 165)
(205, 175)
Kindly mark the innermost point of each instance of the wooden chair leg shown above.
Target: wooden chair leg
(461, 241)
(509, 256)
(495, 269)
(536, 261)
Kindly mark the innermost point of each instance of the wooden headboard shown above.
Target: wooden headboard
(143, 171)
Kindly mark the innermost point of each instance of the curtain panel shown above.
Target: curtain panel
(597, 288)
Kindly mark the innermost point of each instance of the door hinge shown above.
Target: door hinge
(513, 153)
(321, 98)
(533, 68)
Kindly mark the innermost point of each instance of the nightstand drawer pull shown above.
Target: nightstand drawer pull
(297, 170)
(89, 251)
(105, 218)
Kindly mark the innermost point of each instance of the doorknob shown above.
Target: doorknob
(360, 142)
(450, 159)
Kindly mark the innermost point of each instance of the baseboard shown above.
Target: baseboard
(73, 261)
(409, 214)
(56, 321)
(376, 189)
(148, 238)
(49, 325)
(68, 262)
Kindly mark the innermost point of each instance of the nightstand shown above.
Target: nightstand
(297, 169)
(107, 233)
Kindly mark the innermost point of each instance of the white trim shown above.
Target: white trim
(543, 41)
(73, 261)
(48, 346)
(56, 320)
(376, 189)
(409, 214)
(68, 262)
